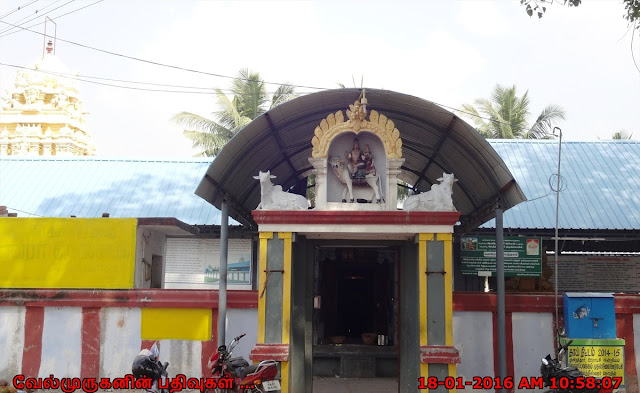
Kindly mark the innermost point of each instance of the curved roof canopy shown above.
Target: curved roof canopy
(434, 141)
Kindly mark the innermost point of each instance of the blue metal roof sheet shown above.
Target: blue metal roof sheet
(88, 187)
(601, 184)
(601, 191)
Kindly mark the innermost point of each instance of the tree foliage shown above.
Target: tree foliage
(538, 7)
(249, 100)
(622, 134)
(505, 116)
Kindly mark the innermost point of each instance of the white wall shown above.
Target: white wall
(473, 338)
(184, 357)
(152, 243)
(242, 321)
(11, 340)
(532, 340)
(61, 342)
(119, 339)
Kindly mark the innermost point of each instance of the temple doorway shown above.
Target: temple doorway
(355, 317)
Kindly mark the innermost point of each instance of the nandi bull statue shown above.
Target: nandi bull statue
(273, 198)
(342, 173)
(436, 199)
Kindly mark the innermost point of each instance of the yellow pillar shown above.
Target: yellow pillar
(423, 238)
(262, 278)
(286, 305)
(448, 294)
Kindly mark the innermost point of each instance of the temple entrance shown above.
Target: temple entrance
(355, 317)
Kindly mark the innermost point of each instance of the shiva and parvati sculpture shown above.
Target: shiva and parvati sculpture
(365, 156)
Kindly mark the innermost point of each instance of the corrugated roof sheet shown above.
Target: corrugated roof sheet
(434, 141)
(88, 187)
(601, 184)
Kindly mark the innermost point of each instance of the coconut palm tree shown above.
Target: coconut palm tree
(622, 134)
(504, 116)
(250, 100)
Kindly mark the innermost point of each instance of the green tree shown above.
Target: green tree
(631, 9)
(250, 100)
(505, 116)
(622, 134)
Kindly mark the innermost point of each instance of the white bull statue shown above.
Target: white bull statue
(342, 173)
(437, 199)
(273, 198)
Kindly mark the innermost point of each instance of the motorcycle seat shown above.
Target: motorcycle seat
(247, 370)
(238, 362)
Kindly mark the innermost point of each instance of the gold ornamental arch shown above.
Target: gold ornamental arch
(335, 124)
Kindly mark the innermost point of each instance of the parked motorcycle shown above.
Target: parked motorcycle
(257, 378)
(147, 364)
(567, 379)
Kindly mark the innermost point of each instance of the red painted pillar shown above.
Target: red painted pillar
(624, 330)
(90, 367)
(32, 354)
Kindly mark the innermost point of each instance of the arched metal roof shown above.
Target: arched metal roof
(434, 141)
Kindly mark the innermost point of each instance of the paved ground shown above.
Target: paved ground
(353, 385)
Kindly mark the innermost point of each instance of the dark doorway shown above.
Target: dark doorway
(355, 311)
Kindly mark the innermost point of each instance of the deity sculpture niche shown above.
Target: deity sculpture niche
(358, 170)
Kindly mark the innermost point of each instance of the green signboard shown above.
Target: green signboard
(522, 256)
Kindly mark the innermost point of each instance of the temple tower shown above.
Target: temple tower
(43, 114)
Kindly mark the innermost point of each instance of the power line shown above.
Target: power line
(22, 211)
(154, 62)
(9, 32)
(17, 9)
(216, 75)
(207, 91)
(57, 17)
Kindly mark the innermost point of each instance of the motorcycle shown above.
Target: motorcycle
(257, 378)
(566, 379)
(147, 364)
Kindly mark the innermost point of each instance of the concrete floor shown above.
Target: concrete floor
(353, 385)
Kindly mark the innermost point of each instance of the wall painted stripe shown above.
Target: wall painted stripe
(160, 323)
(61, 342)
(120, 338)
(12, 331)
(531, 342)
(509, 339)
(262, 278)
(210, 345)
(624, 330)
(183, 356)
(137, 298)
(90, 357)
(473, 337)
(32, 356)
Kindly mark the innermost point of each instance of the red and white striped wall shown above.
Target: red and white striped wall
(70, 333)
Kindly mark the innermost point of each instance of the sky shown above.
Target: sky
(450, 52)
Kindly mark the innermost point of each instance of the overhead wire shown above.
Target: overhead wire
(17, 9)
(198, 72)
(22, 211)
(7, 31)
(150, 61)
(206, 91)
